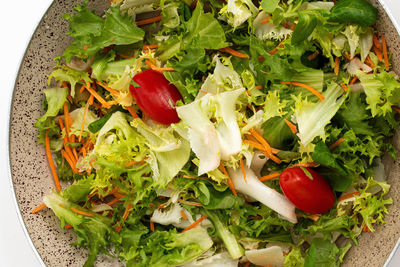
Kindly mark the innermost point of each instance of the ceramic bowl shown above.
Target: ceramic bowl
(31, 173)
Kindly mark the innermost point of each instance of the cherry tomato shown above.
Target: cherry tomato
(156, 96)
(307, 190)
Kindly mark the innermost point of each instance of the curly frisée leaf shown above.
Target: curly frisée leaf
(313, 117)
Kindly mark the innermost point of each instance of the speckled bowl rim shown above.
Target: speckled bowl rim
(390, 14)
(9, 171)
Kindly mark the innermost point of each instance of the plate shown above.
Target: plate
(31, 174)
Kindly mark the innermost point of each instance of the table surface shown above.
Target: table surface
(17, 27)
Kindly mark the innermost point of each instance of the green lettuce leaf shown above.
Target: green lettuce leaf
(55, 99)
(73, 77)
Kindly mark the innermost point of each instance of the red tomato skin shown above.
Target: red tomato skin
(312, 196)
(155, 96)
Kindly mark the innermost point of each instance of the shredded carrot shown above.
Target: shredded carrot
(67, 119)
(204, 92)
(309, 88)
(67, 226)
(183, 215)
(269, 176)
(313, 56)
(306, 165)
(266, 20)
(243, 170)
(337, 62)
(353, 81)
(385, 52)
(344, 87)
(314, 217)
(233, 52)
(154, 67)
(69, 97)
(132, 112)
(133, 162)
(292, 127)
(396, 109)
(83, 150)
(97, 96)
(247, 264)
(153, 46)
(112, 202)
(81, 212)
(69, 160)
(369, 62)
(378, 53)
(347, 56)
(193, 225)
(84, 117)
(261, 139)
(376, 41)
(275, 50)
(38, 208)
(366, 229)
(190, 203)
(82, 89)
(189, 177)
(259, 87)
(127, 210)
(336, 144)
(230, 183)
(112, 91)
(51, 163)
(126, 56)
(349, 195)
(152, 226)
(257, 145)
(148, 21)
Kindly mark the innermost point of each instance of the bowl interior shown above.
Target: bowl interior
(31, 174)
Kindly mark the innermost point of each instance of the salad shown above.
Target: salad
(221, 133)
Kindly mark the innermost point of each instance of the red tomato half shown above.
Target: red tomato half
(307, 190)
(156, 96)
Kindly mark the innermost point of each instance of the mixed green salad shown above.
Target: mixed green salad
(221, 133)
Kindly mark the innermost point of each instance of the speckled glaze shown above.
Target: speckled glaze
(31, 173)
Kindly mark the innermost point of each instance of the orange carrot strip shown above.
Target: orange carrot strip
(377, 44)
(266, 20)
(193, 225)
(309, 88)
(243, 170)
(369, 62)
(344, 86)
(127, 210)
(183, 215)
(259, 87)
(126, 56)
(133, 162)
(275, 50)
(269, 176)
(378, 53)
(233, 52)
(148, 21)
(97, 96)
(204, 92)
(112, 202)
(84, 117)
(347, 56)
(82, 89)
(247, 264)
(67, 226)
(314, 217)
(349, 195)
(261, 139)
(38, 208)
(132, 112)
(306, 165)
(152, 226)
(69, 160)
(190, 203)
(336, 144)
(337, 62)
(396, 109)
(366, 229)
(385, 52)
(230, 183)
(81, 212)
(51, 163)
(153, 46)
(154, 67)
(353, 81)
(257, 145)
(69, 97)
(313, 56)
(292, 127)
(67, 119)
(112, 91)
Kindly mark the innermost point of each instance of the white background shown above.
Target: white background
(17, 23)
